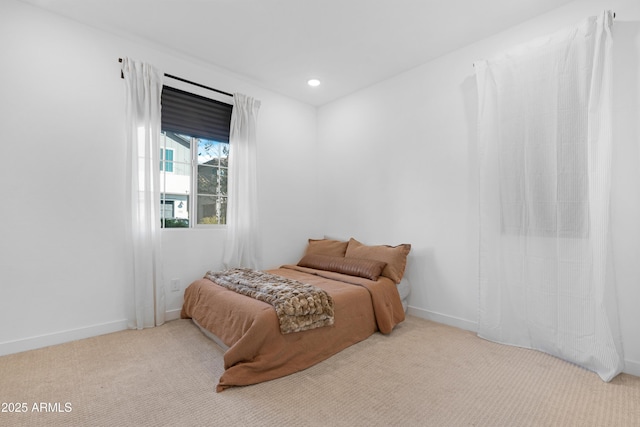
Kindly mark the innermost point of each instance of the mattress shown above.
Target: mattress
(248, 329)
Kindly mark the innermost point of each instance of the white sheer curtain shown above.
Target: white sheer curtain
(242, 244)
(545, 168)
(142, 108)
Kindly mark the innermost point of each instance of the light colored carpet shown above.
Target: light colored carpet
(423, 374)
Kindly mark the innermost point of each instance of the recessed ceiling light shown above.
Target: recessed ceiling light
(313, 82)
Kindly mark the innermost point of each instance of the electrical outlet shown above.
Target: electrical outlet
(175, 285)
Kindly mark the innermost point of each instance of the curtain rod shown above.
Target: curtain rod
(186, 81)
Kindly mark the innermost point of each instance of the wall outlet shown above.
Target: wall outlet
(175, 285)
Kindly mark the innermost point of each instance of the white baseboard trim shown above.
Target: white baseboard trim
(40, 341)
(32, 343)
(631, 367)
(18, 346)
(172, 314)
(444, 319)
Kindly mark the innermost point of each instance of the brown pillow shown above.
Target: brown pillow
(394, 256)
(367, 268)
(326, 247)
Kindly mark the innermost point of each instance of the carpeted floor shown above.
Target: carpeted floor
(423, 374)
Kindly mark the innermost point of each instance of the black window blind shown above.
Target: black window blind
(194, 115)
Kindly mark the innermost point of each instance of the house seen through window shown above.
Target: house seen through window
(194, 150)
(166, 156)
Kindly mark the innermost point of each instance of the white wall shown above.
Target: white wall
(395, 163)
(402, 164)
(65, 266)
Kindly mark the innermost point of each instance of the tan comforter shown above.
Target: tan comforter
(299, 306)
(258, 351)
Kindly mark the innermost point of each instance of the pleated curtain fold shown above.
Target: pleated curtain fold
(242, 244)
(545, 148)
(143, 91)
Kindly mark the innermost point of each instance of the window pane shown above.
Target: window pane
(212, 180)
(193, 159)
(212, 209)
(166, 159)
(175, 180)
(207, 178)
(168, 156)
(174, 211)
(212, 152)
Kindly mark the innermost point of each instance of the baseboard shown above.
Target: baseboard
(32, 343)
(172, 314)
(444, 319)
(631, 367)
(18, 346)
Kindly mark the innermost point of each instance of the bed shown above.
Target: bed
(364, 284)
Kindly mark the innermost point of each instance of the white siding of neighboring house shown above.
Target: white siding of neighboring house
(176, 184)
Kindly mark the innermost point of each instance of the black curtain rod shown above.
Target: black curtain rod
(187, 81)
(198, 84)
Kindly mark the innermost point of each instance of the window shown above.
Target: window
(194, 159)
(166, 159)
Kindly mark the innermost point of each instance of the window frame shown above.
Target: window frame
(194, 177)
(193, 164)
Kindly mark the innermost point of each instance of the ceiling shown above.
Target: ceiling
(280, 44)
